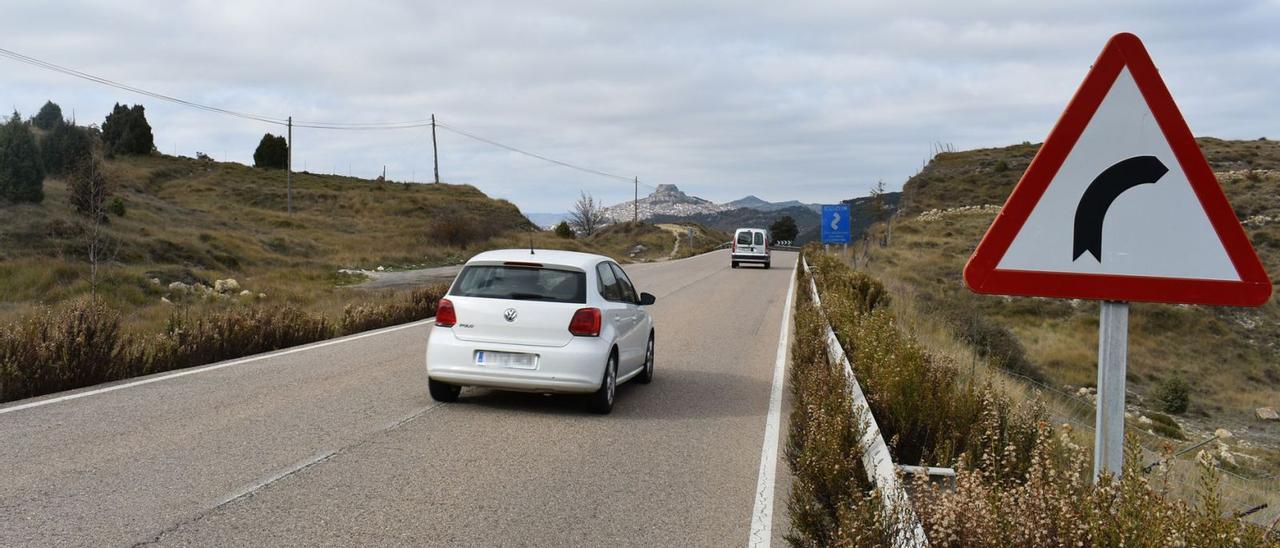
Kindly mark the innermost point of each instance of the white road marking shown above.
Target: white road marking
(214, 367)
(762, 515)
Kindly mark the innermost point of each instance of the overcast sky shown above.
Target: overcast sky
(784, 100)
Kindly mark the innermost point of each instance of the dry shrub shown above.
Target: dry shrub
(458, 231)
(927, 415)
(81, 344)
(417, 305)
(188, 341)
(1019, 483)
(831, 503)
(59, 349)
(1055, 504)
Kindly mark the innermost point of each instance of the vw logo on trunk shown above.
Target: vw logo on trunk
(510, 314)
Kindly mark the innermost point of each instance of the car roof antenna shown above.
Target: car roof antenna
(531, 241)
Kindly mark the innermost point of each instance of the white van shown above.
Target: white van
(750, 245)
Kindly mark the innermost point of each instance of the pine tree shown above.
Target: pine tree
(21, 175)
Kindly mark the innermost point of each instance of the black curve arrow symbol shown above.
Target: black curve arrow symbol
(1105, 188)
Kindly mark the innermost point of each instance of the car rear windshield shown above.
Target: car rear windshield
(744, 237)
(521, 283)
(759, 238)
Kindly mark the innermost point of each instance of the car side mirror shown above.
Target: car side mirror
(647, 299)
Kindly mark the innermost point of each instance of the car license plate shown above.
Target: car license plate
(514, 360)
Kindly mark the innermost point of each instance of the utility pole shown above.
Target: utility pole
(435, 154)
(288, 177)
(635, 203)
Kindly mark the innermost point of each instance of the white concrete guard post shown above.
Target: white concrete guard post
(1113, 342)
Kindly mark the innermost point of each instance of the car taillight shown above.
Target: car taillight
(585, 322)
(445, 316)
(735, 245)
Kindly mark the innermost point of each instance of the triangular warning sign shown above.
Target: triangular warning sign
(1120, 204)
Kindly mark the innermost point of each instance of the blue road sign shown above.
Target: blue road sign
(835, 224)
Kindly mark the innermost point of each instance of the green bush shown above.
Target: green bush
(784, 229)
(991, 340)
(49, 117)
(565, 231)
(64, 147)
(272, 152)
(126, 131)
(116, 207)
(1164, 425)
(1173, 395)
(21, 175)
(1001, 166)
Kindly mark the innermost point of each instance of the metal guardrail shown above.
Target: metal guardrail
(876, 459)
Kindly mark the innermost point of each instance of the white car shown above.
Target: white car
(750, 245)
(541, 321)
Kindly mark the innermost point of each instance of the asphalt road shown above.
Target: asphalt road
(339, 444)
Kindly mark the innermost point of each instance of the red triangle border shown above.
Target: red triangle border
(1122, 50)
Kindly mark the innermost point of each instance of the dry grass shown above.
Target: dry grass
(1230, 357)
(1021, 483)
(83, 342)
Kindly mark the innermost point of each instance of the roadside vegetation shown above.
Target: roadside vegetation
(1206, 368)
(116, 260)
(85, 342)
(1022, 480)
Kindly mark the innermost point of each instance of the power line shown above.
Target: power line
(410, 124)
(86, 76)
(538, 156)
(337, 126)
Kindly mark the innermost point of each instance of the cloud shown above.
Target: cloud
(813, 101)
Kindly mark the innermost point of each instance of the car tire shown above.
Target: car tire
(646, 374)
(443, 391)
(766, 265)
(601, 402)
(735, 264)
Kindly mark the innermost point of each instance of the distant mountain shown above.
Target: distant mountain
(758, 204)
(751, 202)
(666, 200)
(746, 217)
(546, 220)
(806, 216)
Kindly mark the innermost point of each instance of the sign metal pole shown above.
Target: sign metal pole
(1113, 342)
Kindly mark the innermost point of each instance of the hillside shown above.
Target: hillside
(644, 242)
(195, 222)
(1229, 357)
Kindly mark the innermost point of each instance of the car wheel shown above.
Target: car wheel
(646, 376)
(735, 264)
(443, 391)
(766, 265)
(602, 400)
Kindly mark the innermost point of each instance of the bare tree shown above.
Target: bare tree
(587, 216)
(879, 212)
(90, 188)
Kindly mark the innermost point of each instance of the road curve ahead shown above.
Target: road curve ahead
(339, 444)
